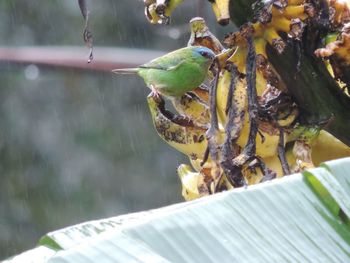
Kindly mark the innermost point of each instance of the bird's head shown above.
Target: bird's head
(205, 52)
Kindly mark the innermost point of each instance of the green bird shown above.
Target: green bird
(175, 73)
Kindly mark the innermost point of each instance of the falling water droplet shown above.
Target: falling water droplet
(31, 72)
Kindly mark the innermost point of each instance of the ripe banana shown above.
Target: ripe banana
(326, 147)
(193, 184)
(221, 11)
(179, 132)
(159, 11)
(192, 107)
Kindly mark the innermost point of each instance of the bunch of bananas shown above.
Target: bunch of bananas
(250, 126)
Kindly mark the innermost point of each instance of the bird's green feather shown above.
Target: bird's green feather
(167, 61)
(177, 72)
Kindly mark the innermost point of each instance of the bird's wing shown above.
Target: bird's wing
(165, 63)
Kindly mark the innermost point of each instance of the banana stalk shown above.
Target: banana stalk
(319, 97)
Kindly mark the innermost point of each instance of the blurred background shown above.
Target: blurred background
(75, 144)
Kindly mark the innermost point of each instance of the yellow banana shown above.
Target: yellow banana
(291, 11)
(198, 184)
(239, 58)
(198, 165)
(159, 11)
(151, 14)
(193, 184)
(281, 24)
(178, 132)
(326, 147)
(254, 175)
(192, 107)
(221, 11)
(274, 39)
(222, 94)
(260, 47)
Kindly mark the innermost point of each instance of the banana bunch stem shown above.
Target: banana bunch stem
(232, 131)
(212, 133)
(249, 151)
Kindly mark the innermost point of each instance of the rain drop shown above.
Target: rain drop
(31, 72)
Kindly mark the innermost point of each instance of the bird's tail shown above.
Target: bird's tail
(125, 70)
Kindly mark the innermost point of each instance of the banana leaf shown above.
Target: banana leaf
(299, 218)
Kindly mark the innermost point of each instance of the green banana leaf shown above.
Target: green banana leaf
(299, 218)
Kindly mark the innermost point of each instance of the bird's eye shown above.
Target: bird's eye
(205, 54)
